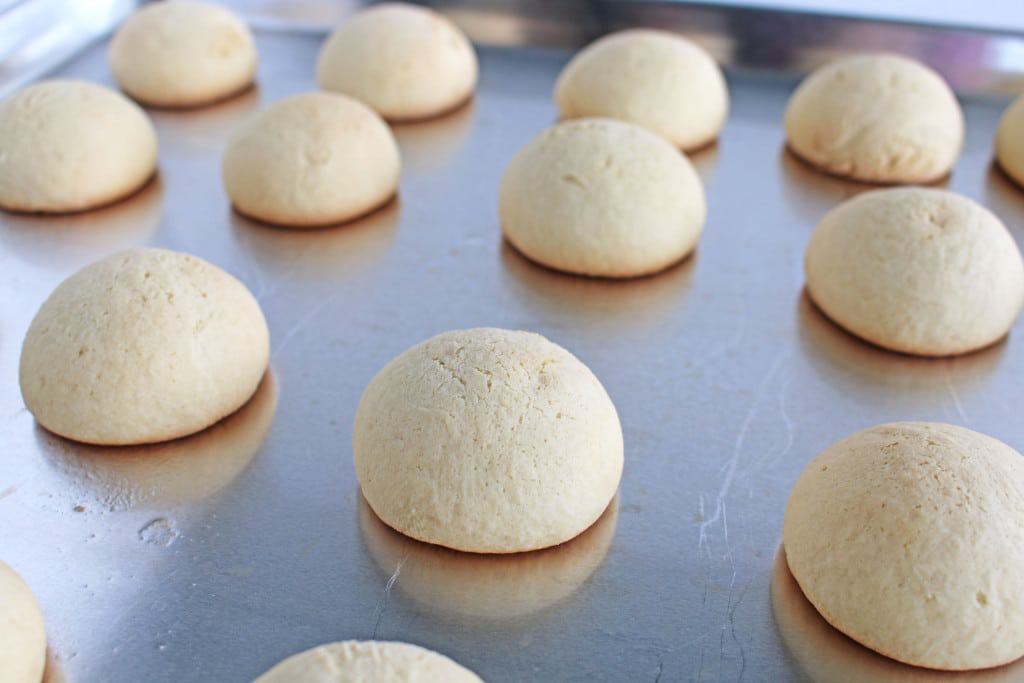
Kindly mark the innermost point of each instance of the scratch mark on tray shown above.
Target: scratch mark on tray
(786, 420)
(730, 344)
(303, 321)
(732, 624)
(382, 604)
(728, 469)
(956, 398)
(725, 536)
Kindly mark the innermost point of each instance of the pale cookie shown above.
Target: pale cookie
(181, 53)
(909, 538)
(916, 270)
(655, 79)
(602, 197)
(1010, 141)
(70, 146)
(487, 441)
(311, 160)
(404, 61)
(876, 118)
(368, 661)
(22, 635)
(143, 346)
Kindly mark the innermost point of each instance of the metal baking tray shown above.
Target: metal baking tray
(213, 557)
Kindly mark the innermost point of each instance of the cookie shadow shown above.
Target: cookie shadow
(64, 242)
(841, 358)
(178, 472)
(431, 144)
(489, 587)
(811, 192)
(620, 303)
(330, 252)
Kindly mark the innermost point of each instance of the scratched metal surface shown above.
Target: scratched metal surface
(211, 558)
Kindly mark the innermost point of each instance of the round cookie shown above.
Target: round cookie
(22, 635)
(311, 160)
(143, 346)
(70, 146)
(876, 118)
(488, 441)
(655, 79)
(909, 538)
(355, 661)
(916, 270)
(603, 198)
(182, 53)
(404, 61)
(1010, 141)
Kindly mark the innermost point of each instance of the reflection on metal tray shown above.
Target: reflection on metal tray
(726, 379)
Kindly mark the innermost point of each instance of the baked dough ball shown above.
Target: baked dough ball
(487, 441)
(311, 160)
(71, 145)
(916, 270)
(602, 197)
(22, 636)
(406, 62)
(181, 53)
(909, 538)
(877, 118)
(1010, 141)
(143, 346)
(654, 79)
(366, 661)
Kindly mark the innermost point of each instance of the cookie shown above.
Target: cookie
(1010, 141)
(404, 61)
(369, 660)
(655, 79)
(182, 53)
(909, 538)
(143, 346)
(22, 634)
(876, 118)
(70, 146)
(311, 160)
(916, 270)
(487, 441)
(603, 198)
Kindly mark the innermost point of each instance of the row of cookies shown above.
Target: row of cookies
(313, 160)
(876, 118)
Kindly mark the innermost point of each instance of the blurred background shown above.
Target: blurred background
(993, 14)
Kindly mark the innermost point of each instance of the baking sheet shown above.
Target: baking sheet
(212, 558)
